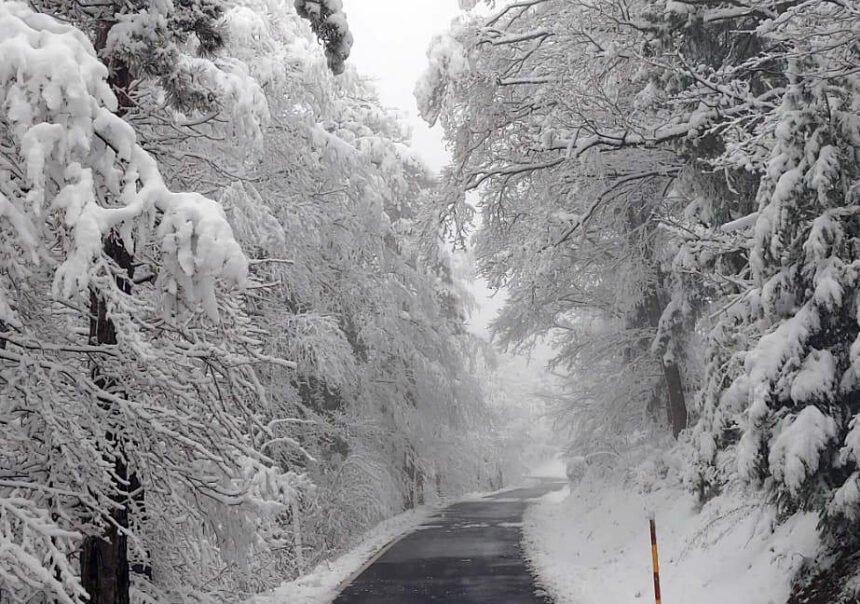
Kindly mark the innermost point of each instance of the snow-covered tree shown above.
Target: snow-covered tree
(331, 213)
(790, 393)
(571, 232)
(110, 425)
(205, 392)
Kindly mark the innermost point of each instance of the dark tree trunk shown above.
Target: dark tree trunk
(104, 564)
(104, 558)
(105, 570)
(415, 492)
(649, 311)
(676, 404)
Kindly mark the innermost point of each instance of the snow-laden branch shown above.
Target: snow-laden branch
(695, 123)
(84, 162)
(740, 224)
(523, 4)
(476, 179)
(502, 39)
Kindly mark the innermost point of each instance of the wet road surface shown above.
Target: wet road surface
(468, 553)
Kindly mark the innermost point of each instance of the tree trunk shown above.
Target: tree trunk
(650, 310)
(104, 558)
(104, 564)
(415, 494)
(105, 570)
(676, 404)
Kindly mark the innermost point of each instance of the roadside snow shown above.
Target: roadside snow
(593, 547)
(320, 586)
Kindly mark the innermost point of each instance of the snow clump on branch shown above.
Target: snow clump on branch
(79, 158)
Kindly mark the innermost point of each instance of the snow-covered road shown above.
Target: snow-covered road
(468, 553)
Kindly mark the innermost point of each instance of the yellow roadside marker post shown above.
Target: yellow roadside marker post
(655, 561)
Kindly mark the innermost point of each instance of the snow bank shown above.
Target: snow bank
(593, 547)
(321, 584)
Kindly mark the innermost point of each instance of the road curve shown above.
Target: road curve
(468, 553)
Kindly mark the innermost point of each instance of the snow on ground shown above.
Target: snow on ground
(321, 585)
(591, 545)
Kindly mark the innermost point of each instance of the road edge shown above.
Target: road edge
(370, 561)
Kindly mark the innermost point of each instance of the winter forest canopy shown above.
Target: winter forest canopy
(669, 191)
(233, 325)
(230, 337)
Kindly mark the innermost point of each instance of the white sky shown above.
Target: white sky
(391, 41)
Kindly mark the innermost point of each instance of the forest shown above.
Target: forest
(234, 314)
(669, 191)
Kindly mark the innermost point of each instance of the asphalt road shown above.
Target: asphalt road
(469, 553)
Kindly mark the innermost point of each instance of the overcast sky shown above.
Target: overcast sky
(391, 40)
